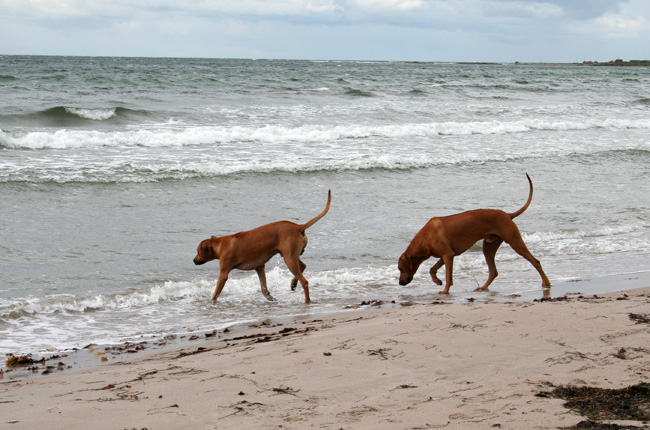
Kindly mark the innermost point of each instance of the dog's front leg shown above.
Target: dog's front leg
(221, 282)
(449, 269)
(434, 271)
(261, 273)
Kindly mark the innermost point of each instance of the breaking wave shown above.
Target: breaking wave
(174, 137)
(68, 116)
(331, 284)
(166, 292)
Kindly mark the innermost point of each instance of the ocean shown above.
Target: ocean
(112, 170)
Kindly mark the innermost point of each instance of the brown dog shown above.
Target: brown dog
(250, 250)
(447, 237)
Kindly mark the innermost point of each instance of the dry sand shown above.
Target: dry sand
(452, 366)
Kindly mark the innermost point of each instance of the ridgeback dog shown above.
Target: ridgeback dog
(250, 250)
(447, 237)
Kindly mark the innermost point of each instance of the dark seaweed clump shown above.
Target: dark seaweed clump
(597, 404)
(592, 425)
(640, 318)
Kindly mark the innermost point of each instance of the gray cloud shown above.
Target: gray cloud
(469, 30)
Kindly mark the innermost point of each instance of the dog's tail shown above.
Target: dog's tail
(530, 199)
(322, 214)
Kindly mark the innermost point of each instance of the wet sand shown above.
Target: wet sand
(435, 365)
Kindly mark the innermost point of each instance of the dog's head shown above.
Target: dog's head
(205, 252)
(407, 268)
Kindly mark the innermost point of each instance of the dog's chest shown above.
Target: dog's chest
(257, 262)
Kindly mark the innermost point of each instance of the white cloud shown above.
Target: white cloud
(618, 27)
(56, 9)
(42, 7)
(390, 4)
(499, 30)
(65, 9)
(536, 9)
(629, 21)
(258, 7)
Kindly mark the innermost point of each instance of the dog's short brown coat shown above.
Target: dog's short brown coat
(447, 237)
(250, 250)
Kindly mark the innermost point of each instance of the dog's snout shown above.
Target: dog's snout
(198, 262)
(406, 281)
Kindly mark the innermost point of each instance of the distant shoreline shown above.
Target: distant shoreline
(617, 63)
(519, 63)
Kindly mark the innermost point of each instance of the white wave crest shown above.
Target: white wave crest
(169, 291)
(94, 114)
(331, 284)
(602, 240)
(163, 136)
(609, 231)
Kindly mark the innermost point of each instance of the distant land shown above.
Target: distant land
(614, 63)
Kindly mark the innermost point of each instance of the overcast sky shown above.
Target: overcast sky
(419, 30)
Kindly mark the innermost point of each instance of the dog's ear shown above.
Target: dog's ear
(404, 262)
(206, 250)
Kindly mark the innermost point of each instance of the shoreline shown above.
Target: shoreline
(99, 355)
(424, 365)
(591, 63)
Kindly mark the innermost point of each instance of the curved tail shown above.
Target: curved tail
(322, 214)
(525, 206)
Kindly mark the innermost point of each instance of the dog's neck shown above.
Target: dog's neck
(215, 243)
(417, 249)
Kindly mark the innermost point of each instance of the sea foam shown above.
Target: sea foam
(174, 136)
(93, 114)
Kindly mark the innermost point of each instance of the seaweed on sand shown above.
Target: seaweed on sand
(598, 404)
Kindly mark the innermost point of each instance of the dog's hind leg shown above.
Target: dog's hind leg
(261, 273)
(520, 248)
(293, 263)
(490, 246)
(294, 281)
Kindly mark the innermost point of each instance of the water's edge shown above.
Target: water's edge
(193, 342)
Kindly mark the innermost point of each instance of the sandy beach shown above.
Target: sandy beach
(413, 366)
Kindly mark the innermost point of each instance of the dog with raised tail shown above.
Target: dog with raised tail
(250, 250)
(449, 236)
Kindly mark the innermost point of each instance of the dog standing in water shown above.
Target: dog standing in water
(250, 250)
(447, 237)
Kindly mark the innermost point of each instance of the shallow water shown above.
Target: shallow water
(112, 170)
